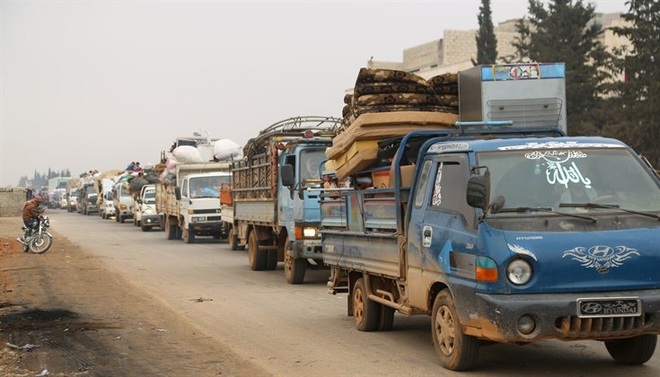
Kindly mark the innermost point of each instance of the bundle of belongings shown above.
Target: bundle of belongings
(385, 106)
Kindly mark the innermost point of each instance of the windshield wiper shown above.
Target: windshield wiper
(544, 209)
(608, 206)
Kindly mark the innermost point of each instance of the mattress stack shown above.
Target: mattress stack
(386, 104)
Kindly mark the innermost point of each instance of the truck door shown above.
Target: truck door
(443, 226)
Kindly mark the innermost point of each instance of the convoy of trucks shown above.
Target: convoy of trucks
(490, 219)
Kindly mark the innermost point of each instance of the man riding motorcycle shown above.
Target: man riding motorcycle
(31, 213)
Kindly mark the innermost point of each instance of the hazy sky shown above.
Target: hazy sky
(98, 84)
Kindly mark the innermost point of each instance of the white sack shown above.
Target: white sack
(225, 149)
(187, 154)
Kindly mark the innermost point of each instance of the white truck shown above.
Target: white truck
(122, 201)
(144, 209)
(190, 204)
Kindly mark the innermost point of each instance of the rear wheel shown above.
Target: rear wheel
(632, 351)
(456, 350)
(365, 311)
(294, 268)
(256, 256)
(233, 239)
(171, 228)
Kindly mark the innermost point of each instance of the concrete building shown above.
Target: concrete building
(455, 51)
(11, 201)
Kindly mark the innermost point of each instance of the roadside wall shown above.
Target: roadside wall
(11, 201)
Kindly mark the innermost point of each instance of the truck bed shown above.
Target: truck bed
(166, 202)
(360, 232)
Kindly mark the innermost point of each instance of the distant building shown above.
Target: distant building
(455, 51)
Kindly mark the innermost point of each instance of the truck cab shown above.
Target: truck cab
(199, 203)
(145, 213)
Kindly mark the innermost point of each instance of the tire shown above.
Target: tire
(170, 228)
(456, 350)
(632, 351)
(145, 228)
(256, 257)
(385, 318)
(121, 219)
(294, 268)
(40, 243)
(233, 239)
(365, 311)
(188, 235)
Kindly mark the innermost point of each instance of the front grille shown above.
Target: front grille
(214, 218)
(574, 327)
(212, 210)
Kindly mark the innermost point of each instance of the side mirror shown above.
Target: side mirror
(478, 190)
(177, 193)
(139, 201)
(286, 174)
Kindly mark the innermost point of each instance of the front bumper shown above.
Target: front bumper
(152, 220)
(496, 317)
(308, 248)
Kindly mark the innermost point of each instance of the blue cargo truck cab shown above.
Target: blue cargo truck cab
(505, 235)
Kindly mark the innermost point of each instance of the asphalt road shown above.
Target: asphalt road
(301, 330)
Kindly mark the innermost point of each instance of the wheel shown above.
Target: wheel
(233, 239)
(121, 219)
(40, 243)
(456, 350)
(256, 257)
(171, 228)
(632, 351)
(189, 235)
(145, 228)
(365, 311)
(294, 268)
(385, 318)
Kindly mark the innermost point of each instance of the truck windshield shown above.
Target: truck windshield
(207, 187)
(310, 164)
(149, 197)
(550, 177)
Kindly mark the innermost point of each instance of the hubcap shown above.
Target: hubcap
(358, 306)
(445, 331)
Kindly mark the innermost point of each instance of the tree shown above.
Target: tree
(486, 40)
(634, 113)
(565, 32)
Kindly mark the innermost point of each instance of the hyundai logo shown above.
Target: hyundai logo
(591, 308)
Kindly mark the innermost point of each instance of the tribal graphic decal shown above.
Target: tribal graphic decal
(601, 257)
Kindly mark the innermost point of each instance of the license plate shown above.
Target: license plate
(609, 307)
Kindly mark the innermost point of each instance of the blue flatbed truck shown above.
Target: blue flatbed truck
(511, 239)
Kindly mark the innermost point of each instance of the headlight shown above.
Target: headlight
(519, 271)
(198, 218)
(310, 232)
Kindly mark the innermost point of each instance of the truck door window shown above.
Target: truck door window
(184, 189)
(421, 183)
(449, 187)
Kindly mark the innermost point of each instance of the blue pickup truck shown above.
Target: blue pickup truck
(504, 234)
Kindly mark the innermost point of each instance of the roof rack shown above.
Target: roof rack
(294, 127)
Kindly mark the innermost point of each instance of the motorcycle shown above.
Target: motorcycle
(39, 240)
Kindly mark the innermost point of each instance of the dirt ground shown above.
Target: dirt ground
(62, 314)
